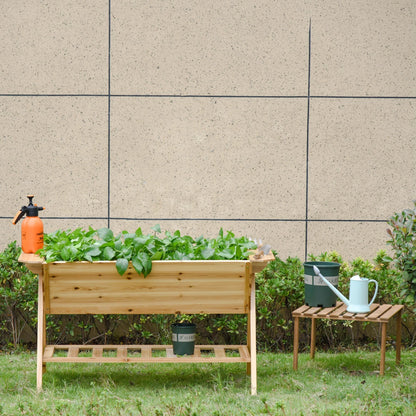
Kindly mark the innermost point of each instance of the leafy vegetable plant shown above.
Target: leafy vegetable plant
(141, 249)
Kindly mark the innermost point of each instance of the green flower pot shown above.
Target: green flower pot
(183, 338)
(317, 293)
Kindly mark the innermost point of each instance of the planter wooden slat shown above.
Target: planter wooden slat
(48, 353)
(97, 352)
(219, 352)
(73, 351)
(172, 287)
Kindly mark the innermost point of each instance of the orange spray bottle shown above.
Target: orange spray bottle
(32, 227)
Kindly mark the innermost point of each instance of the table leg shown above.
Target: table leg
(383, 347)
(398, 336)
(295, 342)
(313, 337)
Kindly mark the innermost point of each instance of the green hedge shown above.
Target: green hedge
(279, 290)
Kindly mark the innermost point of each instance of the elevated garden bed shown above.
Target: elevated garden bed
(172, 287)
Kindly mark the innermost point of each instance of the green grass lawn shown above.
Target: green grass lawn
(332, 384)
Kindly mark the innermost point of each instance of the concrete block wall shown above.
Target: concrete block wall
(289, 121)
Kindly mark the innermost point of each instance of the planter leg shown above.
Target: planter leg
(253, 352)
(41, 367)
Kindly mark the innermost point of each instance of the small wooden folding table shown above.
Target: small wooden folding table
(378, 313)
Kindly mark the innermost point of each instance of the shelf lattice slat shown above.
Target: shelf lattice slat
(144, 354)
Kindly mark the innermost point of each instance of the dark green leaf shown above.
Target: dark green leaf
(121, 266)
(105, 234)
(228, 253)
(145, 262)
(94, 251)
(137, 264)
(156, 228)
(157, 256)
(108, 253)
(118, 244)
(207, 253)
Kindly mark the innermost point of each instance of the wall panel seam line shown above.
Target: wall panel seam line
(344, 220)
(52, 95)
(307, 143)
(109, 119)
(346, 97)
(362, 97)
(207, 96)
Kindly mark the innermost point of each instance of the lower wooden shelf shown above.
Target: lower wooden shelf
(144, 354)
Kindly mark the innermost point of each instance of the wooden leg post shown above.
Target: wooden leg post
(295, 342)
(383, 347)
(253, 346)
(313, 337)
(248, 369)
(398, 336)
(41, 335)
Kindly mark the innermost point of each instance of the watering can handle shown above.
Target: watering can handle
(375, 293)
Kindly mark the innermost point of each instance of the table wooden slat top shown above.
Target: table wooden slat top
(377, 313)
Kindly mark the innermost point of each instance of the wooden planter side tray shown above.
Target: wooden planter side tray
(212, 287)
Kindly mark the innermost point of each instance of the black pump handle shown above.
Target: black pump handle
(18, 216)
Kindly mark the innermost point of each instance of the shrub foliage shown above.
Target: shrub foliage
(279, 290)
(18, 294)
(403, 242)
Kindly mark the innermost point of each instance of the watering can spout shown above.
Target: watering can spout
(331, 286)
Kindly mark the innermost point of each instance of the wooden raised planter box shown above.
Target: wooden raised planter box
(173, 287)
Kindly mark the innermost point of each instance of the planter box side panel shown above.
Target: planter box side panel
(171, 287)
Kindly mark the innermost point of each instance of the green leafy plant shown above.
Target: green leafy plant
(279, 291)
(141, 249)
(18, 290)
(403, 242)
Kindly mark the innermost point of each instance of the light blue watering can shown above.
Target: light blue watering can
(358, 302)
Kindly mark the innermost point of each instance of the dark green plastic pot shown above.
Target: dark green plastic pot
(317, 293)
(183, 338)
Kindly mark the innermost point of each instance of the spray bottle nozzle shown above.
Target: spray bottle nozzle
(31, 210)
